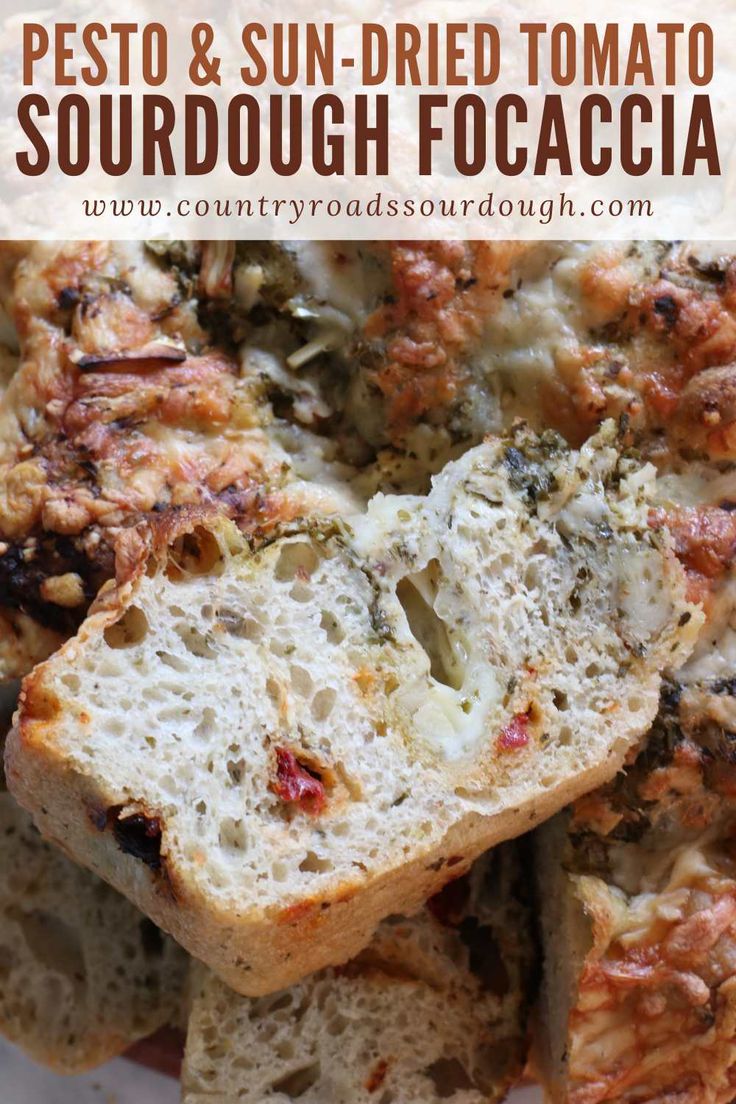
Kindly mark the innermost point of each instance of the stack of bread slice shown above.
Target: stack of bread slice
(434, 1008)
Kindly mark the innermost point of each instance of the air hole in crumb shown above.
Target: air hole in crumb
(427, 628)
(331, 627)
(233, 835)
(279, 871)
(236, 770)
(313, 864)
(245, 628)
(128, 630)
(336, 1024)
(195, 641)
(449, 1076)
(323, 703)
(206, 724)
(301, 681)
(53, 943)
(531, 577)
(560, 699)
(195, 553)
(172, 661)
(297, 560)
(297, 1083)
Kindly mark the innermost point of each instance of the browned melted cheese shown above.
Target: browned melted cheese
(655, 1012)
(705, 543)
(118, 410)
(441, 293)
(646, 332)
(678, 339)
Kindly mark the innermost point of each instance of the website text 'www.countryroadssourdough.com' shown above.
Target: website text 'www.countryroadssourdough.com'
(292, 211)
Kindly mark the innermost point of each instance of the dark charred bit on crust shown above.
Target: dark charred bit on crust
(666, 308)
(151, 356)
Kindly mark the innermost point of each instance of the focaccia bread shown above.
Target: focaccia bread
(638, 890)
(433, 1010)
(83, 974)
(271, 746)
(125, 404)
(166, 374)
(638, 894)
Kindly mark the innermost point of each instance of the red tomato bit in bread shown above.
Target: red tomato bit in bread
(515, 734)
(296, 783)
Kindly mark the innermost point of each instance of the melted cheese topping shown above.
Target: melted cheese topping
(657, 960)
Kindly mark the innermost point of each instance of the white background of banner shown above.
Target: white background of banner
(52, 206)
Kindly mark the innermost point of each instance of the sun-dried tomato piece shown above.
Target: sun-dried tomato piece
(515, 734)
(297, 783)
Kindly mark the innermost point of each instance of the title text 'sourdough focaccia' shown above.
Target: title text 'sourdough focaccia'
(435, 1008)
(270, 746)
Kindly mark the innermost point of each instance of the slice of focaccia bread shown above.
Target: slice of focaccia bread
(433, 1009)
(82, 973)
(271, 747)
(639, 920)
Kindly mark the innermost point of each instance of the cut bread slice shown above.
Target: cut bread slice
(433, 1010)
(82, 973)
(270, 747)
(638, 892)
